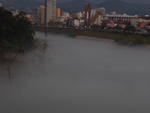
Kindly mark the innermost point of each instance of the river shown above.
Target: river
(77, 76)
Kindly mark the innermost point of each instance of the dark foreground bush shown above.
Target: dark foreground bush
(15, 31)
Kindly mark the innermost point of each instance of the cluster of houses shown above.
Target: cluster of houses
(90, 17)
(98, 17)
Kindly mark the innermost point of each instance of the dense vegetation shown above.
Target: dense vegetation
(15, 31)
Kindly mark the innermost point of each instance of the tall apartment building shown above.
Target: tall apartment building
(42, 14)
(88, 10)
(58, 12)
(50, 10)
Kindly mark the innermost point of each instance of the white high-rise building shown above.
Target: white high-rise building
(50, 10)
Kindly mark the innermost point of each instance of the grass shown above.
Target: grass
(122, 38)
(129, 39)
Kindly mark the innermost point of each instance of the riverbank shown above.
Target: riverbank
(93, 38)
(121, 38)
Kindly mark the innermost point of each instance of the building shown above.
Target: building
(58, 12)
(79, 15)
(50, 10)
(88, 10)
(15, 12)
(121, 17)
(41, 14)
(1, 5)
(102, 11)
(98, 20)
(93, 16)
(30, 18)
(99, 11)
(76, 23)
(65, 15)
(144, 21)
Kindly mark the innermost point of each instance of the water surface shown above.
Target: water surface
(77, 76)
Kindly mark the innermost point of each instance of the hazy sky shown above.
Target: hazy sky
(135, 1)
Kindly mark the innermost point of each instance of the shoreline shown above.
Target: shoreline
(121, 38)
(93, 38)
(104, 39)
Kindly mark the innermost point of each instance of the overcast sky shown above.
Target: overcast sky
(135, 1)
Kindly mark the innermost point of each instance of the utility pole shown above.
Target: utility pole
(46, 24)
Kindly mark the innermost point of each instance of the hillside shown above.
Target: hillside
(124, 7)
(78, 5)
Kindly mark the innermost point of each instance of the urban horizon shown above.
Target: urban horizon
(90, 58)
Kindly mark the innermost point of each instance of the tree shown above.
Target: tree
(15, 31)
(103, 25)
(130, 29)
(15, 34)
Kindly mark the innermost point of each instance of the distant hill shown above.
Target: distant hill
(21, 4)
(110, 5)
(78, 5)
(124, 7)
(73, 6)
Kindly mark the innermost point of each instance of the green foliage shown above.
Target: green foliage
(103, 25)
(15, 31)
(129, 29)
